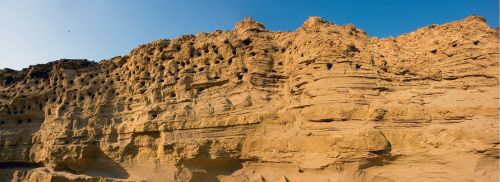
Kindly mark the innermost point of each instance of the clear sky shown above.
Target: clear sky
(39, 31)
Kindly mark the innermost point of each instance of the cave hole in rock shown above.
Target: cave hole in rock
(201, 69)
(476, 42)
(234, 51)
(19, 122)
(216, 77)
(283, 50)
(247, 41)
(2, 122)
(353, 48)
(217, 61)
(183, 64)
(329, 66)
(29, 120)
(240, 77)
(195, 66)
(245, 70)
(230, 61)
(280, 63)
(177, 78)
(266, 51)
(253, 53)
(216, 51)
(172, 94)
(434, 51)
(358, 66)
(454, 45)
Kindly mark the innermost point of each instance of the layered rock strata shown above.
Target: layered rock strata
(325, 102)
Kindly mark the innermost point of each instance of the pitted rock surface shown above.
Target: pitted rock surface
(325, 102)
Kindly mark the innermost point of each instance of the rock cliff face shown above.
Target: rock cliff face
(323, 103)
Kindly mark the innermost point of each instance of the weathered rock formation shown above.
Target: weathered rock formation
(323, 103)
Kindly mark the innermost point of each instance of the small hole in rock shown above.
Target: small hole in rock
(476, 42)
(247, 41)
(434, 51)
(358, 66)
(245, 70)
(329, 66)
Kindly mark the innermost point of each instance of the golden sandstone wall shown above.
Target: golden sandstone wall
(325, 102)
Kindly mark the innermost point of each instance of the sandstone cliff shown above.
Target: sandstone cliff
(323, 103)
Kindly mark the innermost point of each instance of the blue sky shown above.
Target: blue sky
(38, 31)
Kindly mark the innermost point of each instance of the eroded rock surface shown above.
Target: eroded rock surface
(323, 103)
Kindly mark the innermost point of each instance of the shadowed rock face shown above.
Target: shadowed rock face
(325, 102)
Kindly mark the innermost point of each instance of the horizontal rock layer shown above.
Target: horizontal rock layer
(325, 102)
